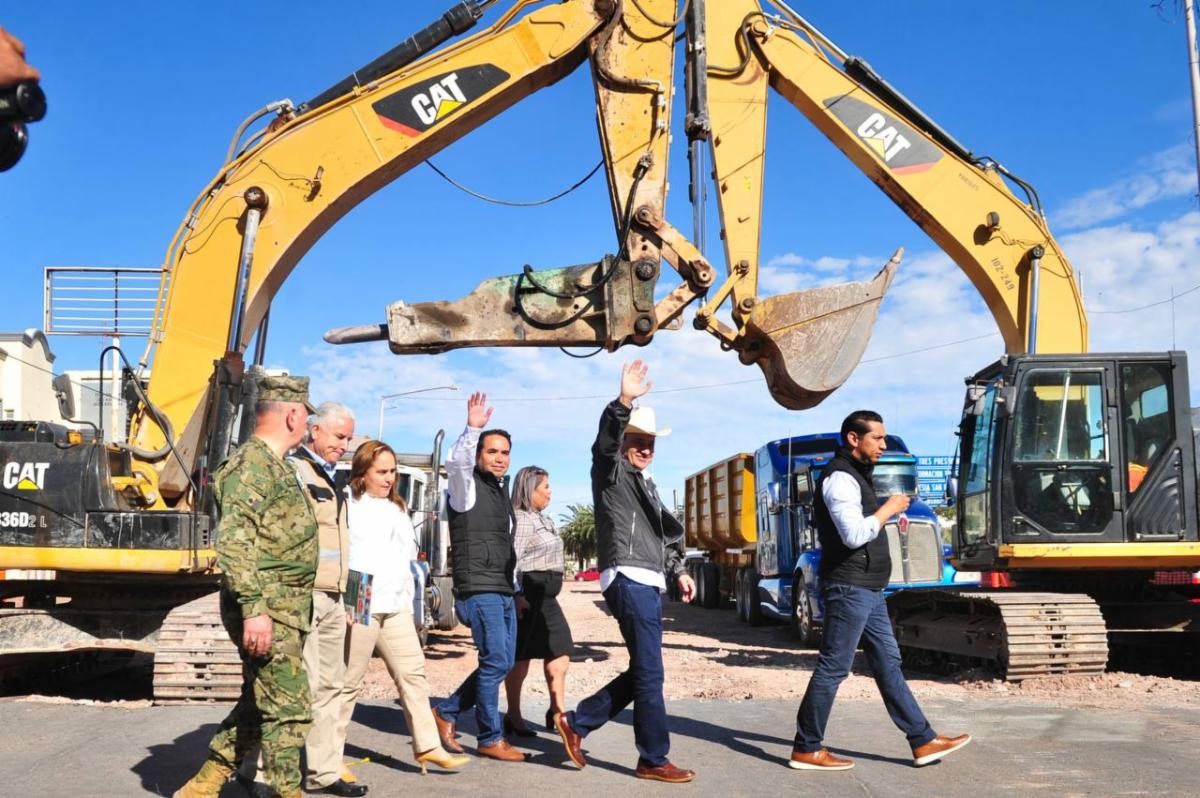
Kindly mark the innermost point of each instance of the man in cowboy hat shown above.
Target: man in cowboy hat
(640, 546)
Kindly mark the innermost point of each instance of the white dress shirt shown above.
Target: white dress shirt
(843, 497)
(460, 470)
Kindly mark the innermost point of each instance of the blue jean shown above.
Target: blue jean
(492, 619)
(638, 610)
(856, 614)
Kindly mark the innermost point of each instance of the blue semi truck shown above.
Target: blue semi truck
(752, 543)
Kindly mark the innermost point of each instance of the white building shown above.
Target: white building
(28, 393)
(26, 373)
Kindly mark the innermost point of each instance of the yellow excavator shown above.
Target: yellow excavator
(128, 530)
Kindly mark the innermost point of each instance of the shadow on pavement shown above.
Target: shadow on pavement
(166, 767)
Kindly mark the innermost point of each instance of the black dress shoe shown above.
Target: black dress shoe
(550, 727)
(520, 731)
(345, 789)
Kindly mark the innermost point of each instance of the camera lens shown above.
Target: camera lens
(32, 101)
(13, 138)
(25, 102)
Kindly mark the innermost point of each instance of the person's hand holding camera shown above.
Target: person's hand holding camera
(21, 99)
(13, 66)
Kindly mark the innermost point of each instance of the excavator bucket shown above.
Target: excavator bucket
(807, 343)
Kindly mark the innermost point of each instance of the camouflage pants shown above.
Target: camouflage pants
(275, 708)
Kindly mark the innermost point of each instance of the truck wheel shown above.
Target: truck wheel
(754, 614)
(694, 573)
(803, 624)
(739, 594)
(710, 574)
(444, 617)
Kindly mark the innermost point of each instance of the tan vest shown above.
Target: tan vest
(334, 559)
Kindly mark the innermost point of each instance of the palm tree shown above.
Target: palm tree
(579, 533)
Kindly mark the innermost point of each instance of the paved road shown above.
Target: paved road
(1020, 749)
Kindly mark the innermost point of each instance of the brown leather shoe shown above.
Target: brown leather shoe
(818, 760)
(571, 741)
(937, 748)
(666, 772)
(503, 751)
(446, 733)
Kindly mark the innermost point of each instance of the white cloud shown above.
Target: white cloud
(1126, 268)
(791, 272)
(1164, 175)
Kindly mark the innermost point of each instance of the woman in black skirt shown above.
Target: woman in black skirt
(542, 631)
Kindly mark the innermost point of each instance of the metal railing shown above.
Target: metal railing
(88, 300)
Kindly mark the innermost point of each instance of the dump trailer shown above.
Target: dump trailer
(750, 516)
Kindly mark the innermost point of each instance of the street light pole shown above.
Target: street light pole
(383, 400)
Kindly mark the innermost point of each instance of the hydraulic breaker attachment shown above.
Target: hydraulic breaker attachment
(607, 304)
(807, 343)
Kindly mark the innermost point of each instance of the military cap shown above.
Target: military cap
(285, 389)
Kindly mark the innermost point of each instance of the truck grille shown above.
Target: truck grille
(916, 554)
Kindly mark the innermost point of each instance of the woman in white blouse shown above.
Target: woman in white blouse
(384, 544)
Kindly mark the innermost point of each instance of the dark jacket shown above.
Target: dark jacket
(481, 540)
(869, 565)
(631, 527)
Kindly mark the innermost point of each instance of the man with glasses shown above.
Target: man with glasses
(639, 547)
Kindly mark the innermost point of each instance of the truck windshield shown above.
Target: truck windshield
(892, 478)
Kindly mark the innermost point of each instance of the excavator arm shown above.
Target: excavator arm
(806, 343)
(267, 206)
(962, 202)
(270, 203)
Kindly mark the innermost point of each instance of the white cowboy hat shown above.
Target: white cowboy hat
(641, 420)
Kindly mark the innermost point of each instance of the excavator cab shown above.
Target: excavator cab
(1062, 454)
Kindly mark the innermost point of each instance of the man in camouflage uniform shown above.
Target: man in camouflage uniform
(267, 551)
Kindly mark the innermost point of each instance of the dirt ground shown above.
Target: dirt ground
(709, 654)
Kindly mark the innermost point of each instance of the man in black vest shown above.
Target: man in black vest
(639, 545)
(855, 567)
(483, 560)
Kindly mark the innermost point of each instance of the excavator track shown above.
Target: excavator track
(195, 661)
(1020, 635)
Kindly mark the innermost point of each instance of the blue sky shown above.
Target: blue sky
(1088, 101)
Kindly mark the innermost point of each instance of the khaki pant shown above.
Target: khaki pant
(324, 660)
(394, 638)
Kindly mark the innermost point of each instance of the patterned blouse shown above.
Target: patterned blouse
(536, 541)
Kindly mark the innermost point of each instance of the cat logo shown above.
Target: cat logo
(885, 139)
(443, 99)
(901, 148)
(25, 476)
(415, 109)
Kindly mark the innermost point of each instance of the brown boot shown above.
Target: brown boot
(208, 782)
